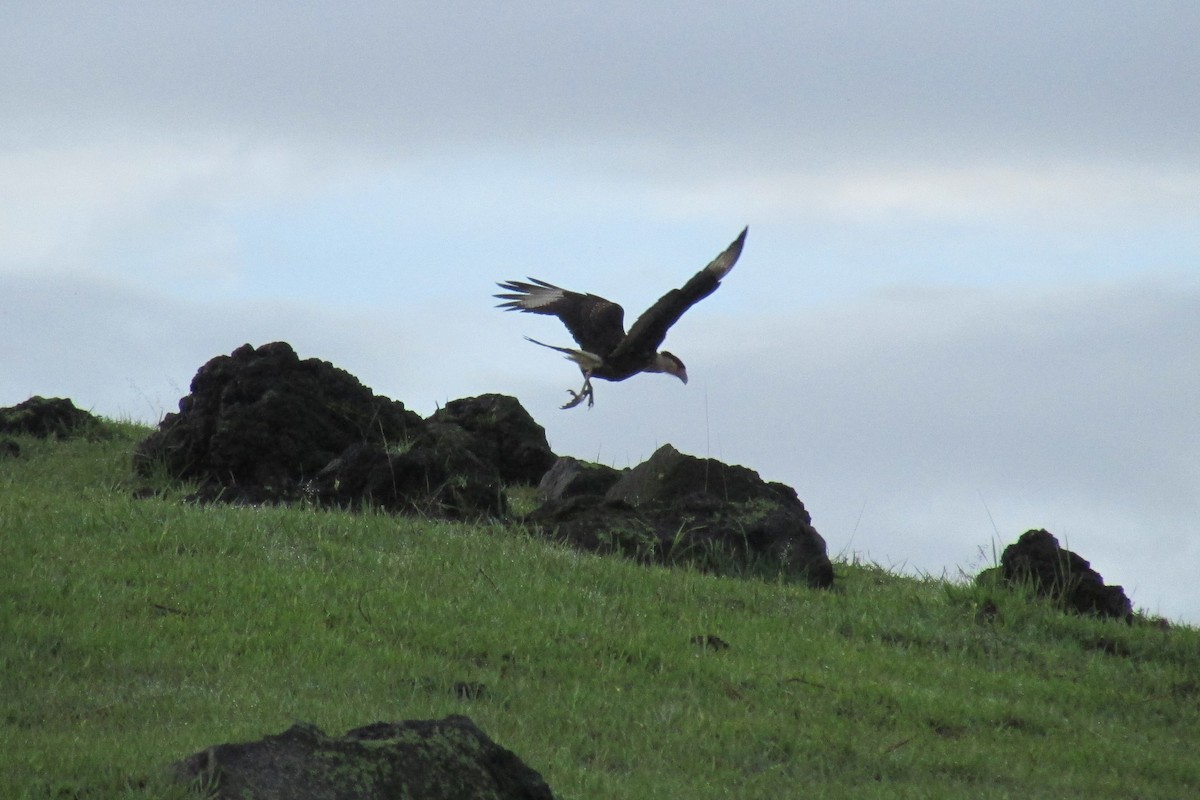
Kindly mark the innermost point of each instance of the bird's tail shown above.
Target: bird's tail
(586, 361)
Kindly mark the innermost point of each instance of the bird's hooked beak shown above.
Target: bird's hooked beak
(669, 363)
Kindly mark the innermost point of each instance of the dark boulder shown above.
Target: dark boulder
(48, 416)
(676, 508)
(1036, 560)
(669, 477)
(447, 759)
(260, 421)
(503, 433)
(9, 448)
(570, 477)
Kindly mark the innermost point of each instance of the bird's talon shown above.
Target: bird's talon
(578, 397)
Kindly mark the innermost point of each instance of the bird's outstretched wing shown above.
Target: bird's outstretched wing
(598, 325)
(651, 327)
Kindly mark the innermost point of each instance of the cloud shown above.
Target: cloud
(233, 152)
(161, 210)
(806, 83)
(1087, 197)
(1089, 380)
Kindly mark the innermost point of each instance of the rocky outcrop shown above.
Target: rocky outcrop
(430, 480)
(260, 421)
(1037, 561)
(447, 759)
(263, 426)
(569, 477)
(501, 433)
(677, 508)
(671, 478)
(48, 416)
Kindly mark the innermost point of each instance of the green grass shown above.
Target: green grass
(134, 632)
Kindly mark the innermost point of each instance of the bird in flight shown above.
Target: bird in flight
(605, 350)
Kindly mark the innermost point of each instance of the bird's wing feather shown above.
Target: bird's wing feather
(650, 329)
(598, 325)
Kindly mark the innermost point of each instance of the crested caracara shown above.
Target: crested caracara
(598, 325)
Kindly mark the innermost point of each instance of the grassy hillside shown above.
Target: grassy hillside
(136, 631)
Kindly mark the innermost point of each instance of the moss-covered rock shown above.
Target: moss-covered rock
(446, 759)
(676, 508)
(49, 416)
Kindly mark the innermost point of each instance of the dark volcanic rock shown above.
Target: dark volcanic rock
(570, 477)
(1037, 560)
(670, 477)
(425, 479)
(262, 426)
(44, 417)
(448, 759)
(260, 421)
(457, 465)
(503, 433)
(679, 508)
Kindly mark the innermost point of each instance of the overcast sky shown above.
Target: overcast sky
(969, 302)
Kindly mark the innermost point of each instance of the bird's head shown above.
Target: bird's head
(670, 363)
